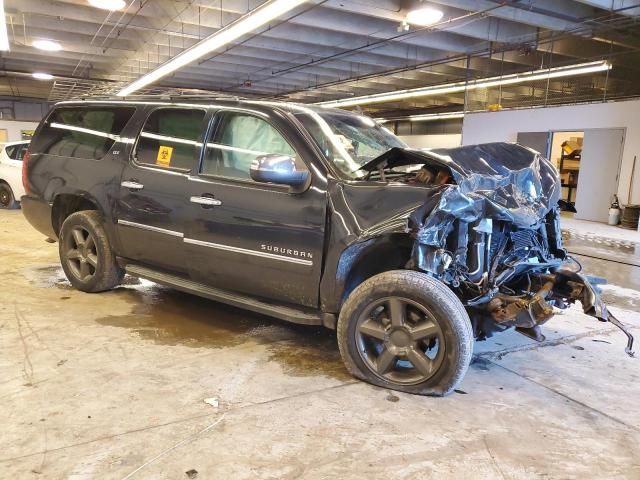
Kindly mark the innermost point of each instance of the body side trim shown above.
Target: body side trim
(151, 228)
(273, 256)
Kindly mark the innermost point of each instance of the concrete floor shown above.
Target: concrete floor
(113, 385)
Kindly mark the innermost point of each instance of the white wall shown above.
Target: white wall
(13, 128)
(504, 126)
(432, 141)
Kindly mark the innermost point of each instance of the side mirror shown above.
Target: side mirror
(275, 168)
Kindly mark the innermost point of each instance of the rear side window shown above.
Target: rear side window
(171, 138)
(81, 132)
(11, 152)
(16, 152)
(21, 150)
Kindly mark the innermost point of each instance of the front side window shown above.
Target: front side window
(347, 139)
(81, 132)
(236, 142)
(170, 138)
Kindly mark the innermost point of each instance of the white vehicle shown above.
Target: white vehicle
(11, 189)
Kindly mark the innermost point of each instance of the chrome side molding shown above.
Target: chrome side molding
(273, 256)
(151, 228)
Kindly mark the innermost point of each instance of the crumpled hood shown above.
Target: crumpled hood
(500, 181)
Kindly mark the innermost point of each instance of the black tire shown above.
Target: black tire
(86, 255)
(7, 200)
(434, 333)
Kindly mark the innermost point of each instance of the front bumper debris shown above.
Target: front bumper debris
(558, 289)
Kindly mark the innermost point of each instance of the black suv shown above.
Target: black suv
(314, 216)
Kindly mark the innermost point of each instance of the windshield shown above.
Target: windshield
(347, 139)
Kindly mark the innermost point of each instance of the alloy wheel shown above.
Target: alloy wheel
(81, 253)
(400, 340)
(5, 197)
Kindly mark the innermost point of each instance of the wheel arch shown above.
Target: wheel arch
(363, 260)
(64, 204)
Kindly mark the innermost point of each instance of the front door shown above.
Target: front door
(153, 205)
(255, 238)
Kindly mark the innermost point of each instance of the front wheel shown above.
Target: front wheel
(406, 331)
(85, 253)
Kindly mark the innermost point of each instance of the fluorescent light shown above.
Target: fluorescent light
(426, 117)
(47, 45)
(544, 74)
(108, 4)
(430, 117)
(42, 76)
(4, 38)
(247, 23)
(424, 16)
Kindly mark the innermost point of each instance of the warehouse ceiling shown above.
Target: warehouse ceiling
(329, 49)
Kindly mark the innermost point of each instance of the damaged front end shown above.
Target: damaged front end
(492, 234)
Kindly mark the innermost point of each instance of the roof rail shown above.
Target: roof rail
(165, 97)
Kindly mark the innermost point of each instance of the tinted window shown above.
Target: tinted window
(238, 140)
(21, 150)
(81, 132)
(170, 138)
(11, 152)
(16, 152)
(349, 140)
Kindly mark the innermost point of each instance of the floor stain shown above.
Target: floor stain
(169, 317)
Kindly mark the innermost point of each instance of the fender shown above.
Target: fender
(367, 234)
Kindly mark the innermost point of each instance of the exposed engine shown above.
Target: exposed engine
(490, 230)
(503, 274)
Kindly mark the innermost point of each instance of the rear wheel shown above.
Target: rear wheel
(86, 255)
(406, 331)
(7, 200)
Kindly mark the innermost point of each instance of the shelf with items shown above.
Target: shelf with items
(569, 169)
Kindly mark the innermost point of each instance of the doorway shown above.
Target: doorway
(566, 153)
(588, 162)
(589, 165)
(599, 173)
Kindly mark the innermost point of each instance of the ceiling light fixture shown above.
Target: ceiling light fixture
(47, 45)
(430, 117)
(426, 117)
(424, 16)
(249, 22)
(42, 76)
(4, 38)
(108, 4)
(544, 74)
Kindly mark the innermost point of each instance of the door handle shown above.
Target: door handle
(206, 202)
(132, 185)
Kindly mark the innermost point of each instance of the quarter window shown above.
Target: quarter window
(238, 139)
(170, 138)
(81, 132)
(11, 152)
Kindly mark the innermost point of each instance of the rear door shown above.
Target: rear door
(256, 238)
(153, 205)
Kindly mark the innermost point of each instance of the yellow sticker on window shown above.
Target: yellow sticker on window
(164, 156)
